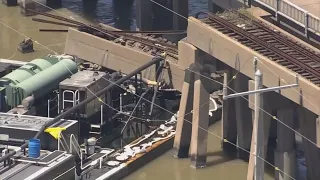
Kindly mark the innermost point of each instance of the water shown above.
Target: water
(118, 15)
(10, 39)
(219, 166)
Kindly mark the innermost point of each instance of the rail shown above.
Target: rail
(294, 13)
(74, 144)
(270, 44)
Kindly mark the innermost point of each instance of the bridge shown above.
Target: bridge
(222, 46)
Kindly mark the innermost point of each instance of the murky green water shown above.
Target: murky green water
(219, 166)
(10, 39)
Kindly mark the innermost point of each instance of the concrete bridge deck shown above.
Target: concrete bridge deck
(120, 58)
(229, 51)
(211, 41)
(204, 38)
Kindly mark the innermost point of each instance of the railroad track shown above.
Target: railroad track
(144, 42)
(270, 43)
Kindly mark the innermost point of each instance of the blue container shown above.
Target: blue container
(34, 148)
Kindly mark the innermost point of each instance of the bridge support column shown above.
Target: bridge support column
(181, 7)
(184, 123)
(266, 111)
(200, 116)
(210, 6)
(308, 128)
(27, 4)
(179, 23)
(285, 154)
(229, 123)
(243, 117)
(182, 139)
(55, 3)
(143, 15)
(195, 96)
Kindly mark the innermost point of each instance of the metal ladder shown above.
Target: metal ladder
(75, 98)
(96, 128)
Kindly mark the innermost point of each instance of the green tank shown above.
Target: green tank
(41, 83)
(28, 70)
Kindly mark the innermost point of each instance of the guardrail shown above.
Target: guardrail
(293, 13)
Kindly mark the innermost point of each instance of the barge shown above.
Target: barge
(78, 112)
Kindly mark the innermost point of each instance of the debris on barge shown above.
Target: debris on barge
(78, 112)
(26, 46)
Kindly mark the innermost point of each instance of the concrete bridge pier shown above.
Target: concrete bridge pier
(181, 7)
(285, 154)
(58, 3)
(190, 55)
(143, 15)
(210, 6)
(229, 123)
(182, 139)
(27, 4)
(243, 116)
(196, 92)
(200, 123)
(179, 23)
(309, 128)
(267, 109)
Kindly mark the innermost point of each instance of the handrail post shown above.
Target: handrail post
(81, 158)
(58, 144)
(306, 23)
(101, 118)
(277, 10)
(48, 108)
(70, 144)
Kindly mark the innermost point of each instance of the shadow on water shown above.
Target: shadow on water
(162, 18)
(120, 13)
(90, 8)
(123, 13)
(223, 158)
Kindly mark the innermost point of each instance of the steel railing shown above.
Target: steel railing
(294, 13)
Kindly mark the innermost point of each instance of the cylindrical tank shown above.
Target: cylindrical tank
(46, 81)
(34, 148)
(28, 102)
(90, 146)
(28, 70)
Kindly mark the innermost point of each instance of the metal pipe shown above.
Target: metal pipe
(101, 114)
(261, 91)
(12, 140)
(57, 17)
(156, 88)
(53, 30)
(58, 103)
(147, 81)
(81, 104)
(259, 133)
(151, 32)
(53, 22)
(48, 108)
(120, 102)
